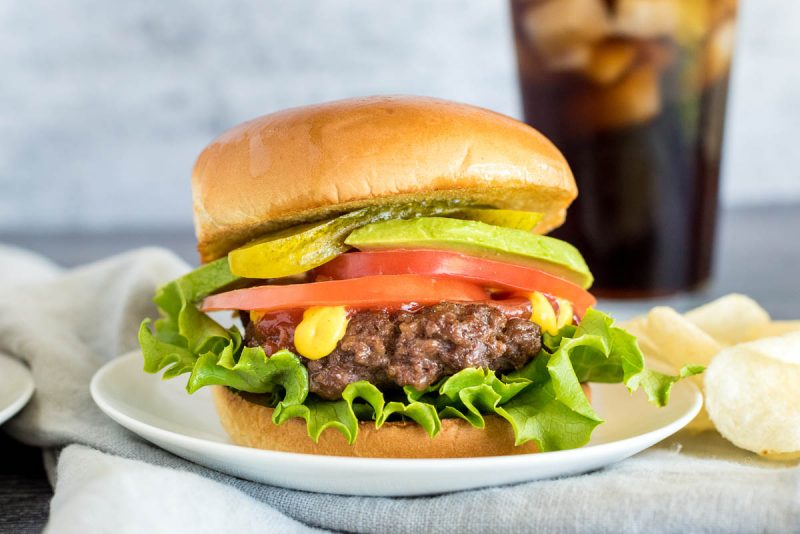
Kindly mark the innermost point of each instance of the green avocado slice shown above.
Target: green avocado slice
(476, 239)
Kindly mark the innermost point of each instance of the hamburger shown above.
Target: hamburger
(393, 291)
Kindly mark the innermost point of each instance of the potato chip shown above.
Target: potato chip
(638, 326)
(666, 335)
(753, 398)
(730, 319)
(677, 340)
(772, 329)
(699, 335)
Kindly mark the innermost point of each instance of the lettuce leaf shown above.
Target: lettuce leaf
(618, 359)
(543, 401)
(343, 414)
(183, 332)
(539, 415)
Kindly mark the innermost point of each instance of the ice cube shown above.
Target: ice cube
(646, 18)
(694, 20)
(718, 52)
(562, 31)
(576, 57)
(721, 10)
(610, 60)
(661, 53)
(634, 99)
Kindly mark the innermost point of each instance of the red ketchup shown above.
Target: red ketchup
(275, 330)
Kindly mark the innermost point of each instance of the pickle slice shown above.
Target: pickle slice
(517, 219)
(300, 248)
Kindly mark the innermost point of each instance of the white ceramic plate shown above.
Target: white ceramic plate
(162, 412)
(16, 387)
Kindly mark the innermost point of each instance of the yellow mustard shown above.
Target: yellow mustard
(543, 314)
(320, 330)
(565, 313)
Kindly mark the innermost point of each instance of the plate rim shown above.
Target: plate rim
(20, 401)
(200, 444)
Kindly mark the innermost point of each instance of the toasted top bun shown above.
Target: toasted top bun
(251, 425)
(312, 162)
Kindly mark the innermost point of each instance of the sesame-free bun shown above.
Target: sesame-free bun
(250, 424)
(312, 162)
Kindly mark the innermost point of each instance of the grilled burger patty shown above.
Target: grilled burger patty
(404, 348)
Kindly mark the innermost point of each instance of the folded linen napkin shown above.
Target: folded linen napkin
(66, 324)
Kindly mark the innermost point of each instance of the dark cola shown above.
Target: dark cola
(633, 92)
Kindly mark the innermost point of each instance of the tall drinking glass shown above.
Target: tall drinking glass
(633, 92)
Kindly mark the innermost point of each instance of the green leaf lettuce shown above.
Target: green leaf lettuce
(543, 401)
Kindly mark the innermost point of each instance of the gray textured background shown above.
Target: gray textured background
(104, 105)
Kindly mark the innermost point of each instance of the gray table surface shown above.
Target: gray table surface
(758, 254)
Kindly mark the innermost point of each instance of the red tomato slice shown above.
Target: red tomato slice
(364, 292)
(488, 273)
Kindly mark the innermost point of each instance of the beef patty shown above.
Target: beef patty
(402, 348)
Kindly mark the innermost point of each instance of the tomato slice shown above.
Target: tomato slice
(488, 273)
(363, 292)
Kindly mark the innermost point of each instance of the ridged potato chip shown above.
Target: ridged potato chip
(774, 328)
(701, 334)
(729, 319)
(666, 335)
(753, 398)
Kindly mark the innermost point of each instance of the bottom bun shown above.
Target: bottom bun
(251, 425)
